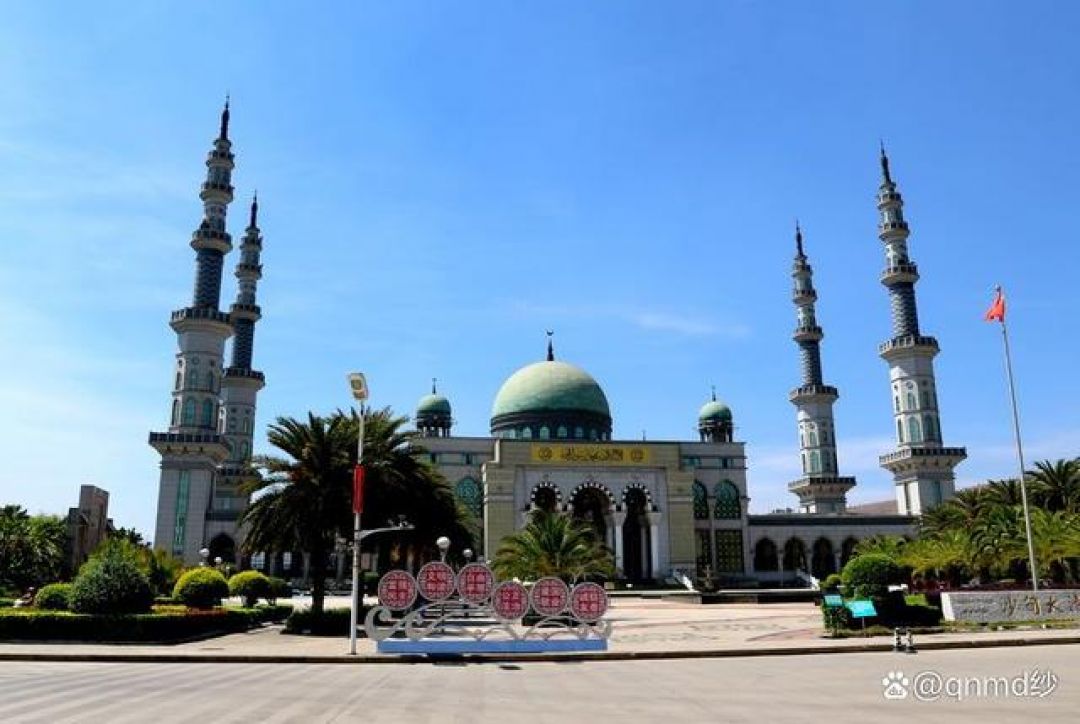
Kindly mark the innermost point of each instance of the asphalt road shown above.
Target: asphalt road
(829, 688)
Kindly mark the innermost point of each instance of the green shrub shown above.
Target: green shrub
(201, 588)
(164, 601)
(836, 618)
(7, 602)
(111, 582)
(334, 622)
(250, 586)
(279, 588)
(873, 571)
(54, 597)
(36, 625)
(832, 582)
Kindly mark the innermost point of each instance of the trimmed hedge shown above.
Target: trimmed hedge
(54, 597)
(250, 586)
(334, 622)
(201, 588)
(7, 602)
(870, 575)
(36, 625)
(111, 583)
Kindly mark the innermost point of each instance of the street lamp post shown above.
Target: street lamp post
(359, 388)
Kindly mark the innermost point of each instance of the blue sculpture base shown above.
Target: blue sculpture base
(467, 646)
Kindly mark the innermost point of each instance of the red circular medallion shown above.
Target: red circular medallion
(509, 601)
(436, 581)
(397, 590)
(549, 596)
(588, 602)
(475, 582)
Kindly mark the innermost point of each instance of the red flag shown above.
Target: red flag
(358, 489)
(996, 312)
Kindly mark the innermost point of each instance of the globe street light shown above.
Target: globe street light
(358, 387)
(204, 553)
(443, 544)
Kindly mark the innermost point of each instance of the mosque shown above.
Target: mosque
(667, 509)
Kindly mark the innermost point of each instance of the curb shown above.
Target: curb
(155, 658)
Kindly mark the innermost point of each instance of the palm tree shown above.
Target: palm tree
(889, 545)
(553, 544)
(1056, 539)
(947, 554)
(1056, 485)
(303, 502)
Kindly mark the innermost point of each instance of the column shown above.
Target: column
(654, 542)
(619, 517)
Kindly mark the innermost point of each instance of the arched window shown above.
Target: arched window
(471, 498)
(815, 461)
(896, 403)
(175, 411)
(911, 405)
(813, 438)
(928, 428)
(189, 412)
(592, 435)
(207, 413)
(701, 502)
(245, 451)
(179, 380)
(914, 430)
(727, 500)
(579, 433)
(824, 561)
(545, 433)
(794, 555)
(561, 432)
(526, 433)
(899, 431)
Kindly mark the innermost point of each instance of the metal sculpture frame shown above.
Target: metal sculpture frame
(483, 616)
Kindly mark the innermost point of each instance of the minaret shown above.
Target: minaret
(922, 466)
(820, 489)
(193, 448)
(240, 386)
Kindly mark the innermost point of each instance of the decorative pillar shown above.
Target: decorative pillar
(619, 516)
(654, 541)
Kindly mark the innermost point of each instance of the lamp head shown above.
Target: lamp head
(358, 386)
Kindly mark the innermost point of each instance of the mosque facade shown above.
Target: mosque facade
(669, 510)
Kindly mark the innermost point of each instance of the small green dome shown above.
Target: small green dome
(714, 410)
(550, 386)
(433, 404)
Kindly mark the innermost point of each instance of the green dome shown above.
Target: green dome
(548, 387)
(433, 404)
(714, 410)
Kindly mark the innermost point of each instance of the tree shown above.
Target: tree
(303, 501)
(1056, 538)
(31, 548)
(554, 544)
(1056, 485)
(887, 545)
(129, 534)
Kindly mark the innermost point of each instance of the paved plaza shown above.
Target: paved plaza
(834, 688)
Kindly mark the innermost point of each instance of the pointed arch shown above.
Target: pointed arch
(765, 556)
(727, 501)
(189, 412)
(701, 502)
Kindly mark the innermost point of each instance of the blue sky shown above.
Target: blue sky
(440, 182)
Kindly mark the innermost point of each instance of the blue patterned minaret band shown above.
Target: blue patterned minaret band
(820, 489)
(211, 241)
(245, 312)
(922, 466)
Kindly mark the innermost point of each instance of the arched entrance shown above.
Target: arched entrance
(223, 547)
(824, 560)
(765, 556)
(794, 555)
(637, 543)
(592, 505)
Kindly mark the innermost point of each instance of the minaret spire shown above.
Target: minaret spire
(550, 347)
(922, 466)
(433, 390)
(223, 134)
(821, 489)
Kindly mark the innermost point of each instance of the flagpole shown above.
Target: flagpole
(1020, 458)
